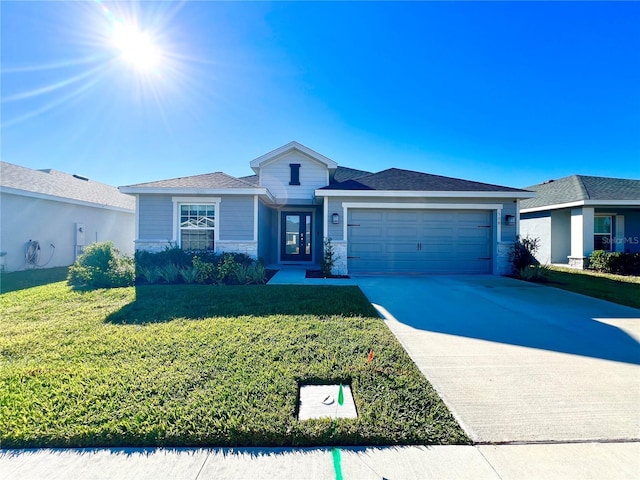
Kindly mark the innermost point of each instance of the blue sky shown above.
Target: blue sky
(511, 93)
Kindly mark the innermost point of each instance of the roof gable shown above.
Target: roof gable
(62, 185)
(274, 155)
(576, 188)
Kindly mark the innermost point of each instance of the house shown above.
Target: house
(390, 221)
(575, 215)
(47, 217)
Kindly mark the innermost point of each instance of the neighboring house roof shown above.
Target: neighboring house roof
(208, 180)
(407, 180)
(582, 188)
(62, 186)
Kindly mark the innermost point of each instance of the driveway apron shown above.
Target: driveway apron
(516, 361)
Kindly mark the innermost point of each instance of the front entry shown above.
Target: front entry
(296, 238)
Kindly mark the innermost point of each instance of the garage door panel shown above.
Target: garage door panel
(430, 241)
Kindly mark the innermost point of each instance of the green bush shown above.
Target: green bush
(522, 253)
(174, 265)
(534, 273)
(328, 258)
(102, 266)
(615, 262)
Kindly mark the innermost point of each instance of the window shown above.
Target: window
(197, 226)
(295, 174)
(602, 233)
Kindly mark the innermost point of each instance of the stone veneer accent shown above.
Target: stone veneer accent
(578, 262)
(153, 246)
(340, 265)
(248, 247)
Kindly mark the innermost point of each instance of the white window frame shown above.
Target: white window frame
(610, 234)
(179, 201)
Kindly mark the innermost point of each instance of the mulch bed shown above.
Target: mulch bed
(318, 274)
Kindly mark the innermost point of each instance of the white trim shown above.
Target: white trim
(583, 203)
(55, 198)
(198, 191)
(195, 200)
(267, 158)
(426, 206)
(325, 219)
(177, 201)
(255, 218)
(421, 194)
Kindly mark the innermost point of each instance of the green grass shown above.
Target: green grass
(624, 290)
(195, 365)
(10, 282)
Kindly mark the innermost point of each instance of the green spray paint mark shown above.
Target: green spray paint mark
(340, 396)
(335, 453)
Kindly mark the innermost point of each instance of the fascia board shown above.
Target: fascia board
(197, 191)
(421, 194)
(583, 203)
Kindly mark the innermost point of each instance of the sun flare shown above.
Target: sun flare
(136, 47)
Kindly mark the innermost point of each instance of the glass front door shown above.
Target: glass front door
(296, 236)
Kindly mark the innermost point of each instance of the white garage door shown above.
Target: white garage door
(420, 241)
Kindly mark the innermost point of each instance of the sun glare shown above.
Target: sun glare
(136, 47)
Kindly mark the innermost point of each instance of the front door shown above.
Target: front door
(296, 237)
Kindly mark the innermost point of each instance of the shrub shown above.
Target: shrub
(150, 274)
(228, 269)
(190, 274)
(522, 253)
(615, 262)
(102, 266)
(169, 272)
(206, 270)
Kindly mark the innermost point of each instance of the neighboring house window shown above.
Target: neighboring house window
(295, 174)
(602, 233)
(197, 226)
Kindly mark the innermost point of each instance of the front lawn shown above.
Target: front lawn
(621, 289)
(201, 365)
(10, 282)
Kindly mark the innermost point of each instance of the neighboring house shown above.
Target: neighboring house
(575, 215)
(390, 221)
(47, 217)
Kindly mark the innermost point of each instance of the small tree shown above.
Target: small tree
(328, 258)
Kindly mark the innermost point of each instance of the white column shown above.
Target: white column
(581, 235)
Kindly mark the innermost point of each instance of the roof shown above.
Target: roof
(53, 183)
(576, 188)
(262, 160)
(343, 174)
(216, 180)
(408, 180)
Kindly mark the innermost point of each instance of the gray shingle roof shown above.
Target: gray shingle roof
(207, 180)
(582, 187)
(63, 185)
(342, 174)
(398, 179)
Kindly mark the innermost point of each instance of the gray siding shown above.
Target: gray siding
(267, 233)
(560, 236)
(236, 218)
(538, 226)
(155, 217)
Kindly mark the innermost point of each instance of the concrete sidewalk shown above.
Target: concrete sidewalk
(296, 275)
(585, 461)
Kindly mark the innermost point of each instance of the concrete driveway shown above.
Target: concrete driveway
(519, 362)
